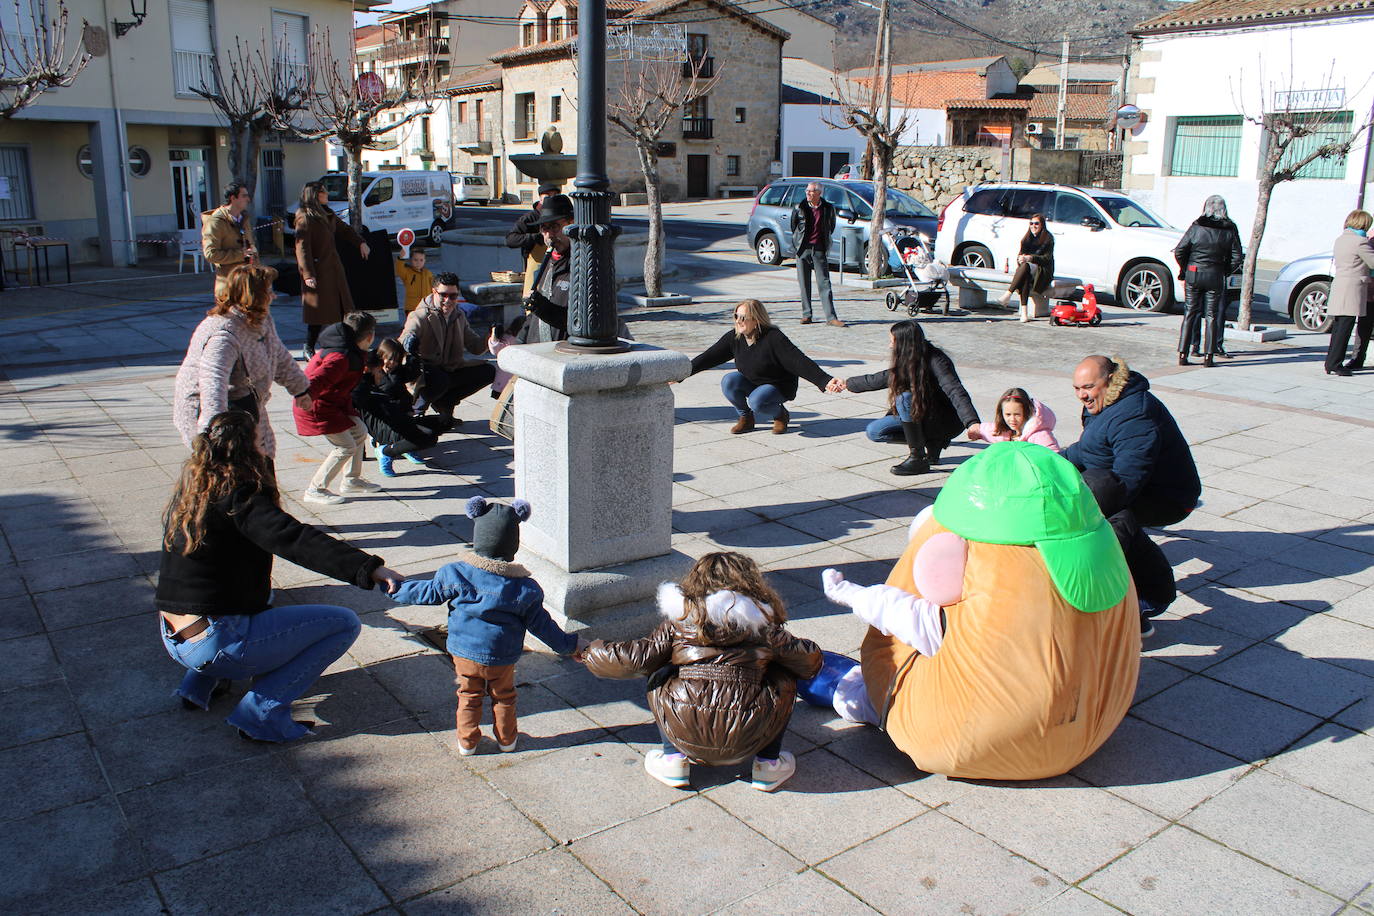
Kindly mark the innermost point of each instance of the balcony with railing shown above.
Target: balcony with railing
(414, 49)
(706, 71)
(473, 135)
(191, 70)
(697, 128)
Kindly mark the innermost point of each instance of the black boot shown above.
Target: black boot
(915, 462)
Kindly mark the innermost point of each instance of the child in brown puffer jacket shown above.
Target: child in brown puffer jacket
(722, 672)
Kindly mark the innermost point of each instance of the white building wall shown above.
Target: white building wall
(1236, 71)
(804, 129)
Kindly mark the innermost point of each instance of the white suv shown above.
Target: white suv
(1101, 237)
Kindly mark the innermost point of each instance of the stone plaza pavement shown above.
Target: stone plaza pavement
(1239, 783)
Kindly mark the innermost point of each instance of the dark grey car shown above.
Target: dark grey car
(771, 239)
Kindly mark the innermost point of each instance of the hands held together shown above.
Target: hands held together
(837, 386)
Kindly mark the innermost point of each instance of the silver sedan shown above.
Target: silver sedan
(1301, 289)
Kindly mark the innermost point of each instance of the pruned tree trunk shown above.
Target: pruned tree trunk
(1247, 281)
(353, 157)
(877, 251)
(654, 253)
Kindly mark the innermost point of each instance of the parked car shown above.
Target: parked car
(771, 239)
(1301, 289)
(1102, 237)
(471, 189)
(394, 200)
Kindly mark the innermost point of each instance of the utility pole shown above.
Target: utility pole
(1063, 92)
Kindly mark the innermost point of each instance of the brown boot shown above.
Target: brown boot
(780, 421)
(744, 424)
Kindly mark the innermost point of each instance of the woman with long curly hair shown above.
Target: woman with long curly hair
(722, 672)
(325, 298)
(927, 405)
(221, 529)
(234, 357)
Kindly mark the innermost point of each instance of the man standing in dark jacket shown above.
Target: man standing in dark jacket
(1139, 467)
(812, 224)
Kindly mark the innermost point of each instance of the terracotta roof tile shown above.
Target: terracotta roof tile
(1077, 106)
(933, 89)
(1211, 13)
(988, 103)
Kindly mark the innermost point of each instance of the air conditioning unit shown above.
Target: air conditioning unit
(1035, 127)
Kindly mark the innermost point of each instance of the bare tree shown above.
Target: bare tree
(869, 111)
(1291, 139)
(647, 100)
(342, 111)
(34, 58)
(255, 96)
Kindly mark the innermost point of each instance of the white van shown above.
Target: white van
(395, 200)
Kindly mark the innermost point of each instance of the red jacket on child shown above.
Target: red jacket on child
(334, 371)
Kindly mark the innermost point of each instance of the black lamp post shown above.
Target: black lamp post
(592, 315)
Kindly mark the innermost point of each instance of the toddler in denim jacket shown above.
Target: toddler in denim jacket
(492, 602)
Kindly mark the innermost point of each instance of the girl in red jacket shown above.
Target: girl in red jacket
(334, 371)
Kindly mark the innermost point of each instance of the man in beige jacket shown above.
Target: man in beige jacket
(226, 240)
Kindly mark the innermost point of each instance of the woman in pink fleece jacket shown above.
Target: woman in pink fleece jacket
(1020, 418)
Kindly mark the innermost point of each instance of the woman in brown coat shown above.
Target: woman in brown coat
(1352, 257)
(325, 298)
(722, 672)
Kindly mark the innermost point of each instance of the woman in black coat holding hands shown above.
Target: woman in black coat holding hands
(1207, 254)
(223, 525)
(927, 403)
(767, 368)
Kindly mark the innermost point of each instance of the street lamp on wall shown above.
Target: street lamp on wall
(137, 9)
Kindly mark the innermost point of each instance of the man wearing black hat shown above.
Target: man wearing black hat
(526, 237)
(547, 302)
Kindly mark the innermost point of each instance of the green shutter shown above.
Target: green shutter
(1206, 146)
(1331, 126)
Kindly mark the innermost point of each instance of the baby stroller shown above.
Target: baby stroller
(926, 278)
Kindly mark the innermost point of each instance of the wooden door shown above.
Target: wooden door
(698, 176)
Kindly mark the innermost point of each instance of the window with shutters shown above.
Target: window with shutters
(16, 201)
(290, 51)
(1325, 127)
(193, 49)
(1206, 147)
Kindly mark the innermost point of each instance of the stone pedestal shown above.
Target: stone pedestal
(594, 458)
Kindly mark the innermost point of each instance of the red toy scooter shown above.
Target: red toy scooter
(1078, 313)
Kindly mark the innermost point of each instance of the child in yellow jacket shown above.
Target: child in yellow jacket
(418, 281)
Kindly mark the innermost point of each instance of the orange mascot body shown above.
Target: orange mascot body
(1040, 653)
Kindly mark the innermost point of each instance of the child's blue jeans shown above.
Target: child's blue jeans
(889, 428)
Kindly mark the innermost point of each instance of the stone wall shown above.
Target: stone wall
(935, 175)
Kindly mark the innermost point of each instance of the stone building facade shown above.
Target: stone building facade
(728, 139)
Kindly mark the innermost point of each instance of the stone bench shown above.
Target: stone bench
(976, 283)
(739, 190)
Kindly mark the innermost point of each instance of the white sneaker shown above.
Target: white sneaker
(507, 748)
(321, 497)
(674, 772)
(769, 774)
(359, 485)
(466, 751)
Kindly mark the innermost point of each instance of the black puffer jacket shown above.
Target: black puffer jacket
(718, 699)
(1208, 253)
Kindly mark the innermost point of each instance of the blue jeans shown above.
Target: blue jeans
(283, 649)
(746, 397)
(889, 428)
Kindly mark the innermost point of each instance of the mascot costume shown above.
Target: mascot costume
(1006, 642)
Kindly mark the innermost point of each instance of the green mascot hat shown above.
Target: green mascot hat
(1021, 493)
